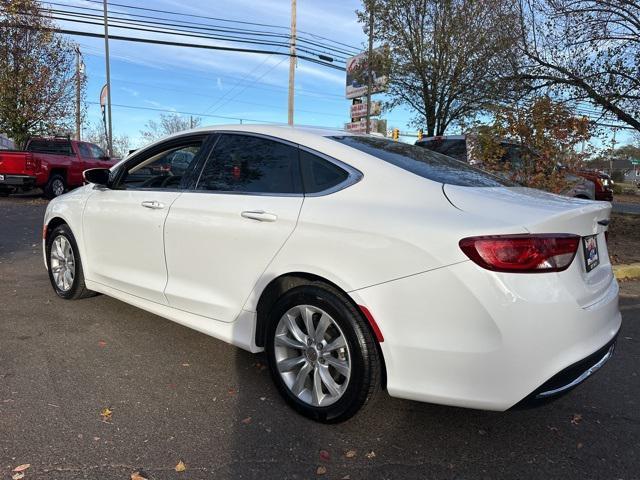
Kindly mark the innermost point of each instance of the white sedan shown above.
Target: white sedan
(357, 263)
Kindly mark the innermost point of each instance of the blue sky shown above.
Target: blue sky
(225, 84)
(231, 84)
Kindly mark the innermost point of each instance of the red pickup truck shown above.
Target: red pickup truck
(53, 164)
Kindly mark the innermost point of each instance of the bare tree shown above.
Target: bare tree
(121, 143)
(447, 56)
(584, 50)
(169, 123)
(37, 74)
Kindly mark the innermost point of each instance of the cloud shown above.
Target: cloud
(130, 91)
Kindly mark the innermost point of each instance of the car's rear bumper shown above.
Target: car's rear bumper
(17, 181)
(569, 378)
(464, 336)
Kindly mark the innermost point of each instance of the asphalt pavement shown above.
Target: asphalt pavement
(176, 394)
(621, 207)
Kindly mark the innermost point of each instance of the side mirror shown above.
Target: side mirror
(98, 176)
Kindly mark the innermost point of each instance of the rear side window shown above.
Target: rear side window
(319, 174)
(53, 147)
(243, 163)
(423, 162)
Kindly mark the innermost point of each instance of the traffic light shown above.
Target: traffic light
(395, 134)
(419, 134)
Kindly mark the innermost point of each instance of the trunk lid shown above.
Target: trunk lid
(542, 212)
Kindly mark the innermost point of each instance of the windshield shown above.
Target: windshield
(423, 162)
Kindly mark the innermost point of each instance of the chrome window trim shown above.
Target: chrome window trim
(353, 177)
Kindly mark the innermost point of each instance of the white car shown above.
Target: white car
(357, 263)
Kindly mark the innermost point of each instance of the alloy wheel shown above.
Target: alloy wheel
(63, 263)
(312, 355)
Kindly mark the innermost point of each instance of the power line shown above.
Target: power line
(205, 26)
(356, 49)
(171, 29)
(177, 44)
(176, 32)
(167, 110)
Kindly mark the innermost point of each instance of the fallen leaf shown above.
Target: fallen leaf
(17, 476)
(106, 414)
(181, 467)
(232, 391)
(186, 365)
(102, 343)
(21, 468)
(350, 454)
(346, 477)
(580, 445)
(247, 421)
(370, 455)
(324, 455)
(140, 475)
(553, 429)
(482, 432)
(577, 418)
(321, 470)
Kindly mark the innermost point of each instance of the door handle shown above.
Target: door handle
(259, 215)
(153, 204)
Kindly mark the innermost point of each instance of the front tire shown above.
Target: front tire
(322, 355)
(64, 265)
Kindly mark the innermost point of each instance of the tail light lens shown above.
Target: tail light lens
(522, 253)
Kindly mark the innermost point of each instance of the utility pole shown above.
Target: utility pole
(292, 60)
(613, 149)
(369, 58)
(78, 92)
(190, 121)
(106, 56)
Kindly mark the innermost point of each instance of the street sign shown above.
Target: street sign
(357, 72)
(359, 110)
(635, 161)
(360, 126)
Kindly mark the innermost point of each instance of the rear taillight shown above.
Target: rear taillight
(522, 253)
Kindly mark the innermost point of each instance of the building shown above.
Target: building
(6, 143)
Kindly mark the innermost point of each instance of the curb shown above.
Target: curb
(627, 271)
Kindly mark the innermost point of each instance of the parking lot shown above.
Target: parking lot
(176, 394)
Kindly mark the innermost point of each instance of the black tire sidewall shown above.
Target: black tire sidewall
(363, 359)
(65, 231)
(48, 190)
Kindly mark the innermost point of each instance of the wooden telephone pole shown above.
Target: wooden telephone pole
(292, 61)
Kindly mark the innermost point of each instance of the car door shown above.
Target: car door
(123, 225)
(221, 236)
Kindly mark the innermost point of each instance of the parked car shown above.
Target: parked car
(356, 262)
(53, 164)
(603, 184)
(462, 147)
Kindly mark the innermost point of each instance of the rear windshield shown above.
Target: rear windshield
(53, 147)
(423, 162)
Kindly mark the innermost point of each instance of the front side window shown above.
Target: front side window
(96, 152)
(85, 151)
(243, 163)
(166, 169)
(423, 162)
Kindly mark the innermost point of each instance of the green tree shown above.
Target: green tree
(37, 74)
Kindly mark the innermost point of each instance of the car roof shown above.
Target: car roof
(288, 132)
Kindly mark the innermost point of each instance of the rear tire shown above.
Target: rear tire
(65, 266)
(319, 380)
(55, 187)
